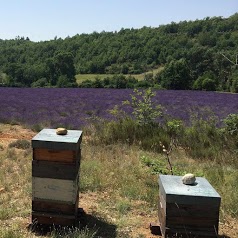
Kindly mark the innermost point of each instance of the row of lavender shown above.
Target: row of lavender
(53, 107)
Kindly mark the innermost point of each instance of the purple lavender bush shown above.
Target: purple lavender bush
(76, 107)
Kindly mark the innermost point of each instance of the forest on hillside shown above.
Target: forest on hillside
(200, 55)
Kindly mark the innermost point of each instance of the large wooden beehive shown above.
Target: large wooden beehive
(55, 177)
(188, 210)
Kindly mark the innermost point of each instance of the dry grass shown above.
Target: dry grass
(15, 194)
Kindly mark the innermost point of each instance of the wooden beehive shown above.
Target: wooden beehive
(55, 177)
(188, 210)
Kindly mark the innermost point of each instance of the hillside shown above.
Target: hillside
(195, 54)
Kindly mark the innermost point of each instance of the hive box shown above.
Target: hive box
(55, 177)
(188, 210)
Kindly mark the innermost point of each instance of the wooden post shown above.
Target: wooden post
(55, 177)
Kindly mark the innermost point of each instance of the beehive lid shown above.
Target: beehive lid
(47, 138)
(174, 191)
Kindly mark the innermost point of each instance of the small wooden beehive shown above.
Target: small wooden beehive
(55, 177)
(188, 210)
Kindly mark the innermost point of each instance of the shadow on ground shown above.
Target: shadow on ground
(102, 228)
(86, 223)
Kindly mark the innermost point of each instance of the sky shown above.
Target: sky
(42, 20)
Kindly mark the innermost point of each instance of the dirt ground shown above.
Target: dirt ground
(228, 227)
(89, 202)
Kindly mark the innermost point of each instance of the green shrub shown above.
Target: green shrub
(202, 139)
(20, 144)
(146, 112)
(142, 128)
(231, 124)
(128, 131)
(156, 166)
(160, 166)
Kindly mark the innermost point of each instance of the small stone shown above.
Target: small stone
(61, 131)
(189, 179)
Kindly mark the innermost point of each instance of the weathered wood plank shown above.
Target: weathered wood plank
(64, 156)
(56, 207)
(162, 201)
(54, 189)
(190, 233)
(57, 170)
(162, 218)
(53, 219)
(192, 211)
(191, 221)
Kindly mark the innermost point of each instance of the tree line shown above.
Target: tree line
(198, 54)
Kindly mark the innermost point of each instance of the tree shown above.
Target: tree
(205, 82)
(145, 110)
(61, 65)
(15, 73)
(209, 84)
(64, 64)
(176, 75)
(120, 81)
(97, 83)
(234, 86)
(64, 82)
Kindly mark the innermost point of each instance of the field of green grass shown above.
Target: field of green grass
(82, 77)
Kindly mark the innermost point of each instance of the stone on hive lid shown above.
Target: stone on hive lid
(61, 131)
(189, 179)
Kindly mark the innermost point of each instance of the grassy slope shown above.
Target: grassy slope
(117, 191)
(82, 77)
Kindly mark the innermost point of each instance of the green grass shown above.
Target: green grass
(73, 233)
(82, 77)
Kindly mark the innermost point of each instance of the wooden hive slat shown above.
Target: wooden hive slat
(65, 156)
(192, 211)
(47, 218)
(41, 205)
(57, 170)
(54, 189)
(191, 221)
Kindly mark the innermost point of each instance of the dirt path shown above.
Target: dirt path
(9, 133)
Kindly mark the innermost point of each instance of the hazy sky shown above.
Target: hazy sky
(45, 19)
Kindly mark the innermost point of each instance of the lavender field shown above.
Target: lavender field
(74, 108)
